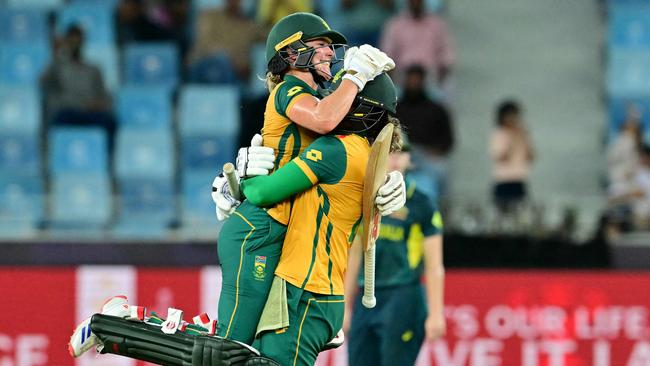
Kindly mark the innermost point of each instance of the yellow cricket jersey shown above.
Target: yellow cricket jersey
(324, 218)
(284, 136)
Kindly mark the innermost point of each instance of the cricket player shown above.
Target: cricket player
(409, 246)
(298, 53)
(305, 306)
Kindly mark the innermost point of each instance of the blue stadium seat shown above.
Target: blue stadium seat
(143, 198)
(629, 27)
(213, 69)
(37, 4)
(22, 64)
(21, 203)
(146, 207)
(151, 63)
(23, 25)
(628, 73)
(82, 200)
(96, 21)
(258, 69)
(19, 153)
(145, 107)
(209, 110)
(209, 4)
(78, 150)
(106, 57)
(19, 109)
(144, 154)
(207, 152)
(197, 208)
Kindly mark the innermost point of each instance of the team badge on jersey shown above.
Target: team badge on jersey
(259, 271)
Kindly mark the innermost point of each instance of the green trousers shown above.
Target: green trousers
(314, 319)
(249, 248)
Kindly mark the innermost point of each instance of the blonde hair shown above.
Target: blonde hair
(396, 141)
(272, 80)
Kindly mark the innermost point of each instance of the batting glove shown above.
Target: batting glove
(223, 199)
(363, 64)
(255, 160)
(392, 195)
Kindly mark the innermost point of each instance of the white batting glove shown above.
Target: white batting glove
(255, 160)
(363, 64)
(392, 195)
(223, 199)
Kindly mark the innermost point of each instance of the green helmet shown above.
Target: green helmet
(372, 105)
(295, 29)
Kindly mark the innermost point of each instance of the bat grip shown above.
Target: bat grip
(233, 183)
(368, 300)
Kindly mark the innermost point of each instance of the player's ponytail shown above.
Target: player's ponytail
(272, 80)
(396, 142)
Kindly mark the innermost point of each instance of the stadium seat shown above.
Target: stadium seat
(144, 154)
(629, 26)
(207, 152)
(96, 21)
(151, 63)
(21, 204)
(38, 4)
(19, 110)
(22, 64)
(628, 73)
(144, 107)
(197, 209)
(23, 25)
(209, 4)
(106, 57)
(209, 110)
(145, 208)
(19, 153)
(80, 200)
(78, 150)
(258, 69)
(213, 69)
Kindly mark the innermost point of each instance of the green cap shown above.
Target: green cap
(299, 26)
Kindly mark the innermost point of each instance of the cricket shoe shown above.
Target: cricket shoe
(83, 339)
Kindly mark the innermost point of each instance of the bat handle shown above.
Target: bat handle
(233, 183)
(368, 300)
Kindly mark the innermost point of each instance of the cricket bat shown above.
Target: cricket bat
(231, 175)
(375, 178)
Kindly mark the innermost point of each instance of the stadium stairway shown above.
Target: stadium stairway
(548, 56)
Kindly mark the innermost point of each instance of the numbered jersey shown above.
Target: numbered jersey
(285, 137)
(324, 218)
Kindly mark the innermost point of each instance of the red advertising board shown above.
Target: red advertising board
(527, 318)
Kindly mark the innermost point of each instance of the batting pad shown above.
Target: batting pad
(148, 343)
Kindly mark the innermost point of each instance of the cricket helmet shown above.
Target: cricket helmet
(288, 37)
(371, 107)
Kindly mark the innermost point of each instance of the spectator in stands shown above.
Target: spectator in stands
(228, 31)
(363, 19)
(623, 151)
(174, 17)
(432, 137)
(74, 90)
(512, 154)
(134, 25)
(422, 38)
(270, 12)
(632, 196)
